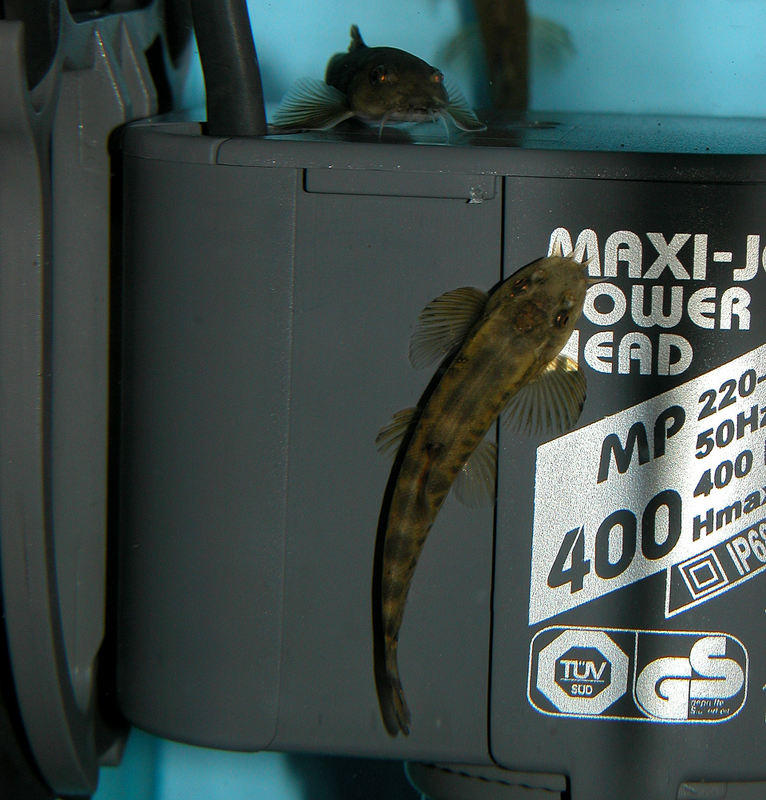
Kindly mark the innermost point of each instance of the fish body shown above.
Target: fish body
(374, 84)
(512, 340)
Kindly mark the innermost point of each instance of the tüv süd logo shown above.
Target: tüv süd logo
(675, 677)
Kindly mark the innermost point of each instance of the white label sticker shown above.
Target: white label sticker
(676, 483)
(675, 676)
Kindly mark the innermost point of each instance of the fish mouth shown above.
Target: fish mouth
(415, 114)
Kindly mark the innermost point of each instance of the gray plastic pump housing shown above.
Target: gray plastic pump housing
(600, 631)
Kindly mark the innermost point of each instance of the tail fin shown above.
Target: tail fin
(393, 706)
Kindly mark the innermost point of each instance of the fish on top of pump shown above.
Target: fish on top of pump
(374, 84)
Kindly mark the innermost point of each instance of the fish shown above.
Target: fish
(550, 46)
(500, 353)
(374, 84)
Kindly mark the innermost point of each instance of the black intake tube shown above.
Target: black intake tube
(230, 65)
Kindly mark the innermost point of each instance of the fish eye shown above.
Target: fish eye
(520, 285)
(561, 319)
(437, 77)
(379, 75)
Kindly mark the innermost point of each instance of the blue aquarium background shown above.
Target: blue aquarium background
(687, 57)
(156, 769)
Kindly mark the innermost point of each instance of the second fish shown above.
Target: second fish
(503, 355)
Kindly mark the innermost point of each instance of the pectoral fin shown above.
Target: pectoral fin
(459, 111)
(444, 323)
(311, 104)
(474, 485)
(390, 436)
(552, 402)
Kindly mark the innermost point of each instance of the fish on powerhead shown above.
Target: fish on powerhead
(374, 84)
(500, 353)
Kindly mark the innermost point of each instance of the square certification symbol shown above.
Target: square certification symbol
(703, 574)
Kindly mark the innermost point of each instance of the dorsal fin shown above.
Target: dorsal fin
(356, 39)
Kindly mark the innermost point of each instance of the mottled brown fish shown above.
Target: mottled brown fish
(374, 84)
(503, 355)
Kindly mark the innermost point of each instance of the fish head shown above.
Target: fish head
(544, 300)
(393, 85)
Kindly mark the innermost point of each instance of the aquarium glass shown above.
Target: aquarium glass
(687, 57)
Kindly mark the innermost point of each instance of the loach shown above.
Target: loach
(373, 84)
(503, 356)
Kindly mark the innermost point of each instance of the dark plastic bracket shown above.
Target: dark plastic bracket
(54, 343)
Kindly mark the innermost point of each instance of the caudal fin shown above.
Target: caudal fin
(393, 706)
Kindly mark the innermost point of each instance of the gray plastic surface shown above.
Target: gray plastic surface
(205, 399)
(364, 267)
(721, 791)
(629, 758)
(54, 363)
(341, 245)
(470, 782)
(267, 465)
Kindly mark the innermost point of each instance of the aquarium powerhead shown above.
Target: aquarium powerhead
(201, 334)
(213, 404)
(600, 632)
